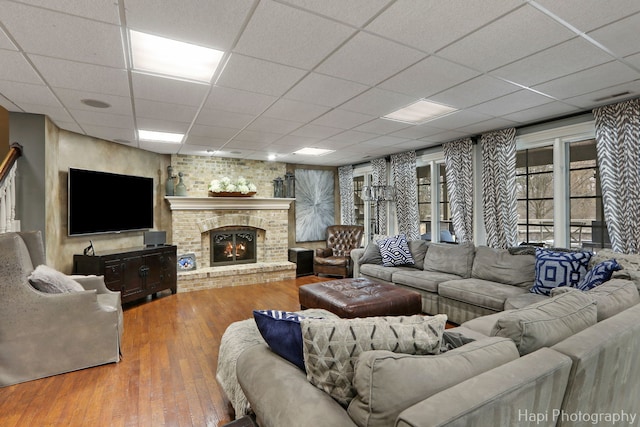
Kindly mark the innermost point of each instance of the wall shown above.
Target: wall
(29, 131)
(67, 149)
(4, 132)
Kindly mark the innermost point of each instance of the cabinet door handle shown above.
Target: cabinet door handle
(143, 271)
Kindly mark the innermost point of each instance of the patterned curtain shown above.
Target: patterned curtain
(499, 187)
(379, 177)
(458, 157)
(618, 148)
(347, 204)
(403, 167)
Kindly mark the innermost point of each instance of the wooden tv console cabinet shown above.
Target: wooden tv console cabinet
(135, 272)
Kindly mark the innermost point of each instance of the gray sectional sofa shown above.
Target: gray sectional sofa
(567, 360)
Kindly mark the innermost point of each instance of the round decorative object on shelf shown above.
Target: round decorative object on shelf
(231, 194)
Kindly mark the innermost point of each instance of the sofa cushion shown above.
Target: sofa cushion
(448, 258)
(546, 323)
(498, 265)
(281, 331)
(423, 280)
(521, 301)
(418, 249)
(332, 346)
(555, 269)
(388, 383)
(379, 272)
(599, 274)
(477, 292)
(395, 251)
(48, 280)
(614, 296)
(371, 255)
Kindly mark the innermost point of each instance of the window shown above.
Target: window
(534, 192)
(587, 225)
(358, 183)
(426, 198)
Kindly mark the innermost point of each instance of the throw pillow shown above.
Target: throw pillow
(388, 383)
(371, 255)
(418, 249)
(281, 331)
(331, 346)
(546, 323)
(555, 269)
(48, 280)
(599, 274)
(395, 251)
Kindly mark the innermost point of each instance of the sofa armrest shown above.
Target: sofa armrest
(92, 282)
(522, 392)
(356, 254)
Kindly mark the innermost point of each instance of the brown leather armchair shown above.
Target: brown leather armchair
(335, 259)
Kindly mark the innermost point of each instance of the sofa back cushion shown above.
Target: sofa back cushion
(388, 383)
(448, 258)
(546, 323)
(332, 346)
(498, 265)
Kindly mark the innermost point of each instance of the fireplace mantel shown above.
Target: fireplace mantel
(227, 203)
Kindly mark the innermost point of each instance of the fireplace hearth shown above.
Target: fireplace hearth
(231, 247)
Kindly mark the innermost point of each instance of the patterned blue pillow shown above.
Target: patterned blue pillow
(395, 251)
(599, 274)
(555, 269)
(281, 330)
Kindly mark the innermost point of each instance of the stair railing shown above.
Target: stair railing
(8, 169)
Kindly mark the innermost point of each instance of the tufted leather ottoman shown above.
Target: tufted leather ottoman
(360, 297)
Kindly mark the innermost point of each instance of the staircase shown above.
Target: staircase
(8, 169)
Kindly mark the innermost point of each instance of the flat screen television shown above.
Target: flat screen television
(103, 202)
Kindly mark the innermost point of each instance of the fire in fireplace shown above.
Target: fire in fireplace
(233, 247)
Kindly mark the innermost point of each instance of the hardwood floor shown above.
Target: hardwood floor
(167, 373)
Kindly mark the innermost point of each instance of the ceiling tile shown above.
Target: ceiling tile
(238, 101)
(378, 102)
(382, 126)
(295, 142)
(416, 132)
(25, 93)
(488, 126)
(369, 59)
(316, 131)
(10, 106)
(342, 119)
(274, 125)
(165, 111)
(587, 15)
(70, 126)
(352, 136)
(102, 119)
(212, 23)
(172, 91)
(458, 119)
(105, 11)
(55, 113)
(520, 33)
(256, 75)
(354, 12)
(431, 25)
(446, 136)
(515, 101)
(71, 99)
(384, 141)
(16, 68)
(596, 78)
(83, 77)
(58, 35)
(218, 132)
(428, 77)
(247, 145)
(622, 37)
(211, 117)
(111, 133)
(294, 110)
(569, 57)
(210, 143)
(257, 136)
(325, 90)
(553, 109)
(473, 92)
(5, 42)
(287, 35)
(594, 99)
(160, 147)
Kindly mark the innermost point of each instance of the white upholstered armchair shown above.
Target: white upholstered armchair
(44, 334)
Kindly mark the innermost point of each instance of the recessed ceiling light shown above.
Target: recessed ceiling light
(154, 136)
(159, 55)
(96, 103)
(419, 112)
(271, 157)
(308, 151)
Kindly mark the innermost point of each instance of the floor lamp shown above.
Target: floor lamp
(378, 194)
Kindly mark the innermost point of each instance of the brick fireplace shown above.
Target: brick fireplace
(196, 219)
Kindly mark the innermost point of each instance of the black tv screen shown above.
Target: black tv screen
(103, 202)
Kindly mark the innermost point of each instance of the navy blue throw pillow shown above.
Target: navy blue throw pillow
(555, 269)
(281, 330)
(599, 274)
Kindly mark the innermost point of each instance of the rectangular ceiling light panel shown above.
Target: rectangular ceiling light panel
(171, 58)
(154, 136)
(419, 112)
(307, 151)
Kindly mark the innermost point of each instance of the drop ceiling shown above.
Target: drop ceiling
(310, 73)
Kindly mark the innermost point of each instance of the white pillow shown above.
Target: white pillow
(46, 279)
